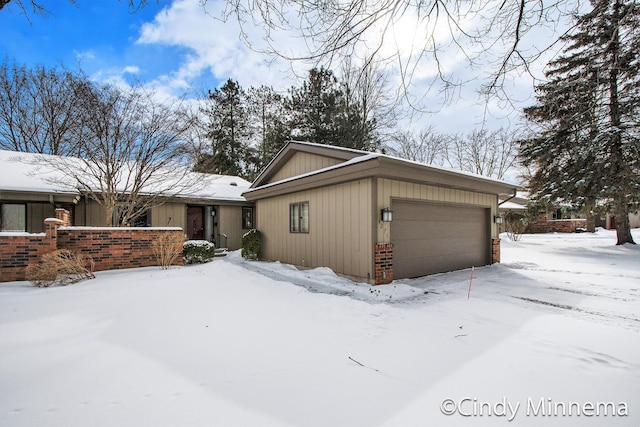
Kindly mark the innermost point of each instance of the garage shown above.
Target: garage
(433, 238)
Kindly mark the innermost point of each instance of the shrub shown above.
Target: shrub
(60, 267)
(515, 227)
(251, 244)
(166, 248)
(198, 251)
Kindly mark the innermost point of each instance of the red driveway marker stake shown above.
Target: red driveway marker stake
(470, 281)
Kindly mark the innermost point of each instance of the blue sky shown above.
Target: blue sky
(99, 36)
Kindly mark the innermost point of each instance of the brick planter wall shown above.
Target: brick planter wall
(17, 252)
(115, 248)
(383, 263)
(110, 248)
(543, 225)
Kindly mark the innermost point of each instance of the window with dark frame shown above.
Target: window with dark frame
(13, 217)
(142, 220)
(299, 217)
(247, 217)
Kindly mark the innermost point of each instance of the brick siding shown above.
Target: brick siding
(383, 263)
(495, 251)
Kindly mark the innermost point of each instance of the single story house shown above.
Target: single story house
(215, 210)
(374, 217)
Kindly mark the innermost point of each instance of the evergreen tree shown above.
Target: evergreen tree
(229, 131)
(314, 107)
(324, 114)
(587, 146)
(272, 130)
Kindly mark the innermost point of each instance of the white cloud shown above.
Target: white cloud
(131, 69)
(214, 47)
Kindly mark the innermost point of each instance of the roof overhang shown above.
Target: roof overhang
(38, 196)
(379, 166)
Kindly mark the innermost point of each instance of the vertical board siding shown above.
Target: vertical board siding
(230, 223)
(302, 163)
(93, 214)
(169, 215)
(339, 229)
(389, 189)
(36, 213)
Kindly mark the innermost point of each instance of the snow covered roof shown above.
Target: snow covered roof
(36, 173)
(24, 173)
(512, 206)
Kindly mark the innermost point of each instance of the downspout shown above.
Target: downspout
(515, 192)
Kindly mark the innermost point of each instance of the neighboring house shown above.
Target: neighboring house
(512, 210)
(609, 222)
(29, 193)
(318, 205)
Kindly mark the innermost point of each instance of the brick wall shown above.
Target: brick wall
(110, 248)
(115, 248)
(383, 263)
(544, 225)
(495, 251)
(19, 251)
(64, 216)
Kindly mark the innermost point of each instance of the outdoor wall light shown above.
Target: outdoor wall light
(498, 219)
(386, 215)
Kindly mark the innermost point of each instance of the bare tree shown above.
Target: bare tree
(428, 146)
(38, 113)
(37, 7)
(194, 142)
(497, 32)
(485, 153)
(128, 158)
(366, 85)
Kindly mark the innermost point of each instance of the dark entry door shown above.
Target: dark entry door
(195, 222)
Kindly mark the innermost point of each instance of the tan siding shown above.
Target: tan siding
(339, 233)
(95, 215)
(388, 189)
(230, 223)
(169, 215)
(302, 163)
(36, 213)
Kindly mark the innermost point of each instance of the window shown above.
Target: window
(299, 217)
(142, 220)
(14, 217)
(247, 217)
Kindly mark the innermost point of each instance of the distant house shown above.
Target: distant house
(214, 211)
(374, 217)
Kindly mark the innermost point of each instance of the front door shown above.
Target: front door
(195, 222)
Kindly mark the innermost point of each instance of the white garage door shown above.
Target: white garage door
(433, 238)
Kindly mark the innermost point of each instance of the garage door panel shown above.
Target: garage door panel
(432, 238)
(434, 230)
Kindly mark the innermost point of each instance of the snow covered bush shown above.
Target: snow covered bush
(251, 244)
(198, 251)
(60, 267)
(166, 248)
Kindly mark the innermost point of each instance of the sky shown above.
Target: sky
(178, 47)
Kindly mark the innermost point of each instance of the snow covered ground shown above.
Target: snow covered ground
(551, 336)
